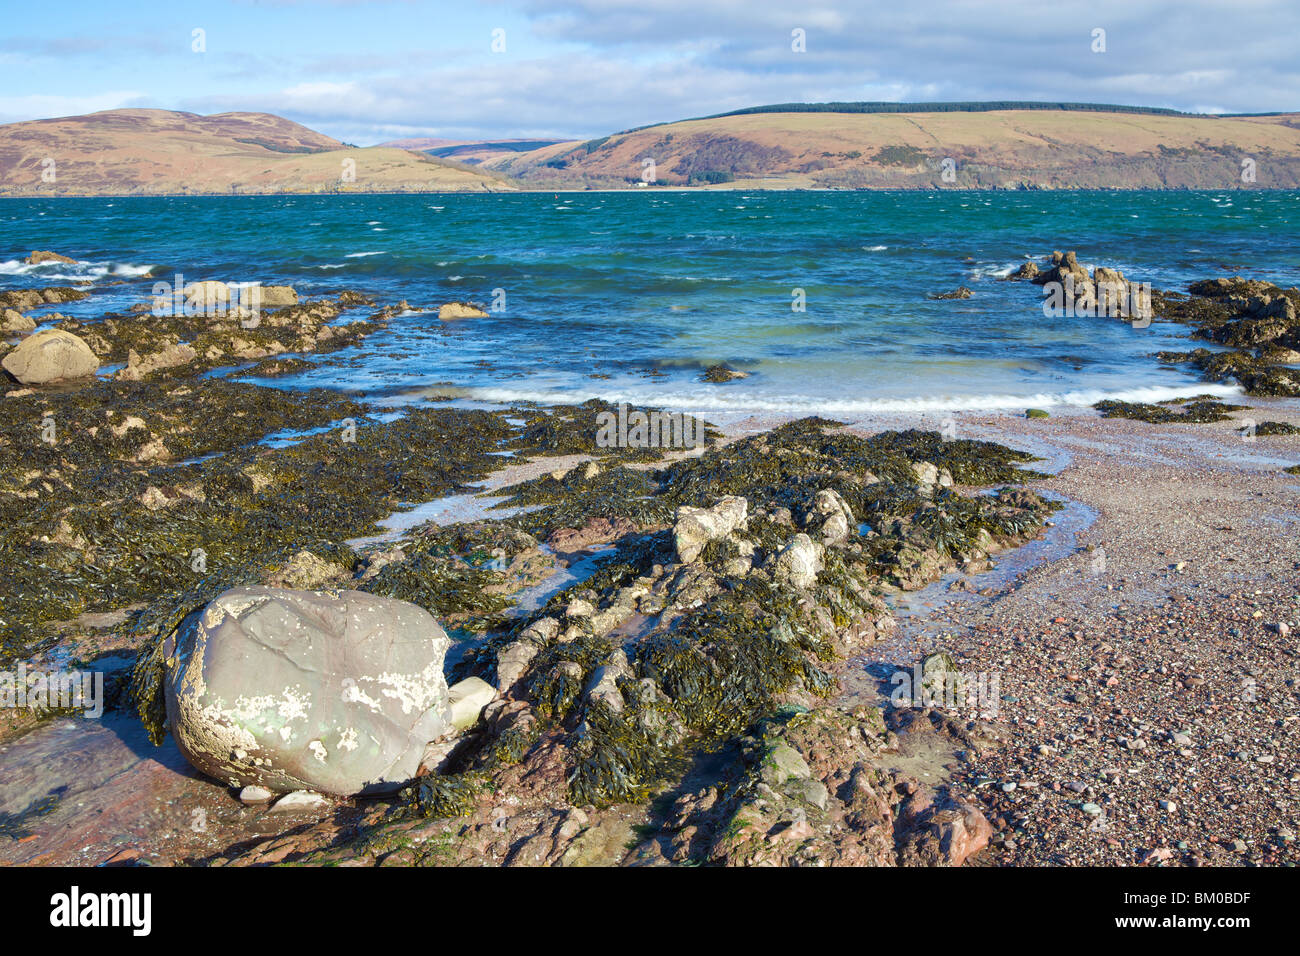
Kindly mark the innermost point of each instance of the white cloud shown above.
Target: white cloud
(41, 106)
(596, 66)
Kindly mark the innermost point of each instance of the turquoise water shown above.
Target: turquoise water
(629, 295)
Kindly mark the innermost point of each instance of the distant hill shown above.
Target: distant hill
(891, 145)
(422, 143)
(785, 146)
(472, 152)
(160, 152)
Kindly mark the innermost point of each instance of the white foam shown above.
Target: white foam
(741, 401)
(994, 271)
(74, 271)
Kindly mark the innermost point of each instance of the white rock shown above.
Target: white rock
(799, 561)
(693, 528)
(299, 801)
(467, 700)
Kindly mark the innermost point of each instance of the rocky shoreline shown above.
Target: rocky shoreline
(683, 703)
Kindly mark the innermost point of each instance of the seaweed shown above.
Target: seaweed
(1276, 428)
(1194, 412)
(621, 756)
(450, 795)
(447, 587)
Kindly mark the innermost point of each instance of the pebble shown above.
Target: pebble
(1091, 809)
(254, 795)
(1169, 806)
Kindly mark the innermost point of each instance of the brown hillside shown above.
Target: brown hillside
(159, 152)
(997, 149)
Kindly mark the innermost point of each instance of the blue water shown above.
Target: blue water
(648, 288)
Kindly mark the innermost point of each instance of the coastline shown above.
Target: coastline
(679, 657)
(1088, 662)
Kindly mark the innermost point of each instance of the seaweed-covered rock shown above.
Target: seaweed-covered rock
(696, 527)
(50, 356)
(337, 692)
(831, 517)
(170, 355)
(722, 373)
(25, 299)
(799, 562)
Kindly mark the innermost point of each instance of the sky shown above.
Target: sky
(368, 71)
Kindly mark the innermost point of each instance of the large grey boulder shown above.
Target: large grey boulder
(50, 356)
(333, 691)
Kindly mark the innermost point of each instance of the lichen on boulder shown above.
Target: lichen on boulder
(337, 692)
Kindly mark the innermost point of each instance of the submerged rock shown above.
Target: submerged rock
(337, 692)
(722, 373)
(50, 356)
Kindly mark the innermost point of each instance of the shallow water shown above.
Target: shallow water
(645, 289)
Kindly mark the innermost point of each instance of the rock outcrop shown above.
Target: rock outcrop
(39, 256)
(696, 527)
(12, 321)
(460, 310)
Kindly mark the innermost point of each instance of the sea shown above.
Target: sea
(823, 298)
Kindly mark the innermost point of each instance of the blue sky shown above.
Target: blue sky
(367, 72)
